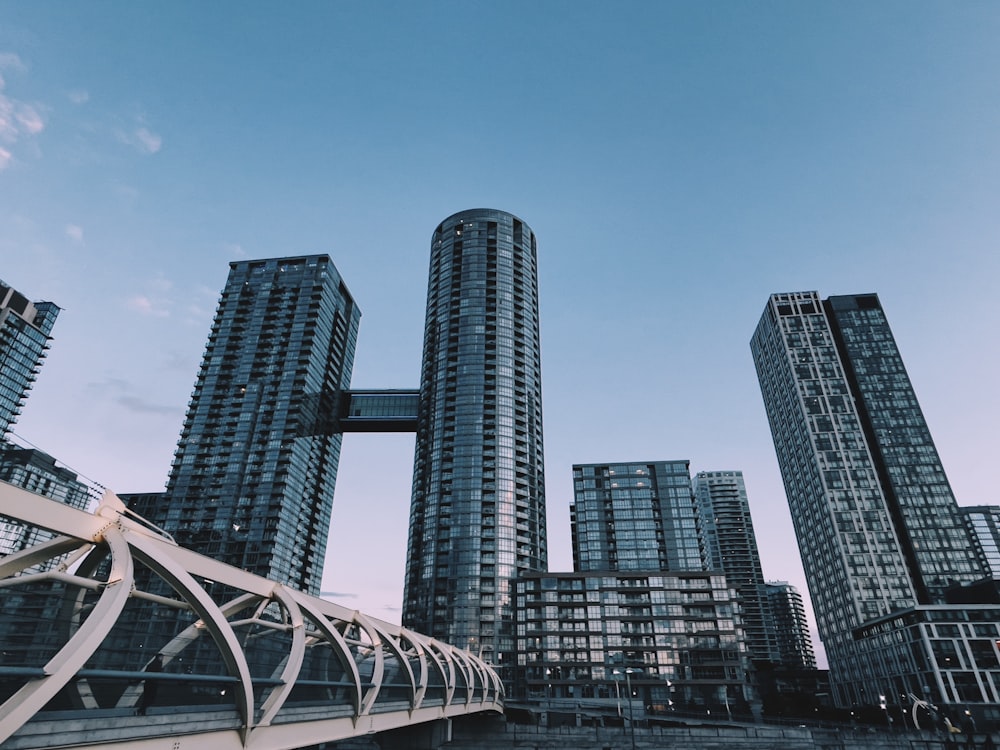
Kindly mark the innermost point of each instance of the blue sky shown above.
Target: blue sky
(678, 162)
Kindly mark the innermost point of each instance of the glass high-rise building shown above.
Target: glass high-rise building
(878, 528)
(731, 547)
(24, 338)
(787, 621)
(253, 475)
(477, 514)
(634, 516)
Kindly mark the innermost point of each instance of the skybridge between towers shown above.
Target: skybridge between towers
(112, 635)
(385, 410)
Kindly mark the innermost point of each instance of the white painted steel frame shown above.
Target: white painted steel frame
(309, 621)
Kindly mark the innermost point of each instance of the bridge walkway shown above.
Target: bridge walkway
(110, 633)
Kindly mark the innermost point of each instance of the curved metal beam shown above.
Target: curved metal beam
(62, 667)
(378, 671)
(447, 668)
(336, 639)
(72, 608)
(293, 664)
(176, 645)
(154, 554)
(421, 685)
(392, 643)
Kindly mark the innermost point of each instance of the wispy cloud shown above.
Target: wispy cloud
(155, 300)
(12, 61)
(28, 119)
(18, 119)
(74, 232)
(337, 595)
(79, 96)
(144, 305)
(141, 138)
(122, 393)
(141, 406)
(148, 141)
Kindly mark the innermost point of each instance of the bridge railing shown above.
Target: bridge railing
(113, 618)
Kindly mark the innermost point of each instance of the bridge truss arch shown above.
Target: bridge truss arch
(112, 629)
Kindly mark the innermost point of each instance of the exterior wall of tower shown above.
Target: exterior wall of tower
(944, 654)
(936, 542)
(787, 614)
(880, 534)
(477, 515)
(253, 476)
(731, 546)
(983, 524)
(852, 557)
(677, 635)
(24, 337)
(635, 516)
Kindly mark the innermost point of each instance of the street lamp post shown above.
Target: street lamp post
(631, 715)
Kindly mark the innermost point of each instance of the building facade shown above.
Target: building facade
(253, 475)
(634, 516)
(30, 623)
(678, 635)
(35, 471)
(24, 339)
(877, 525)
(731, 547)
(786, 611)
(983, 523)
(477, 514)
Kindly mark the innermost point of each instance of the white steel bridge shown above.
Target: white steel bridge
(110, 633)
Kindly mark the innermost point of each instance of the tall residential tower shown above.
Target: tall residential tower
(787, 619)
(880, 534)
(731, 547)
(477, 514)
(254, 472)
(24, 339)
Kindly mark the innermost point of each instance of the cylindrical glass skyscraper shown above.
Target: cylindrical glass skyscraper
(477, 516)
